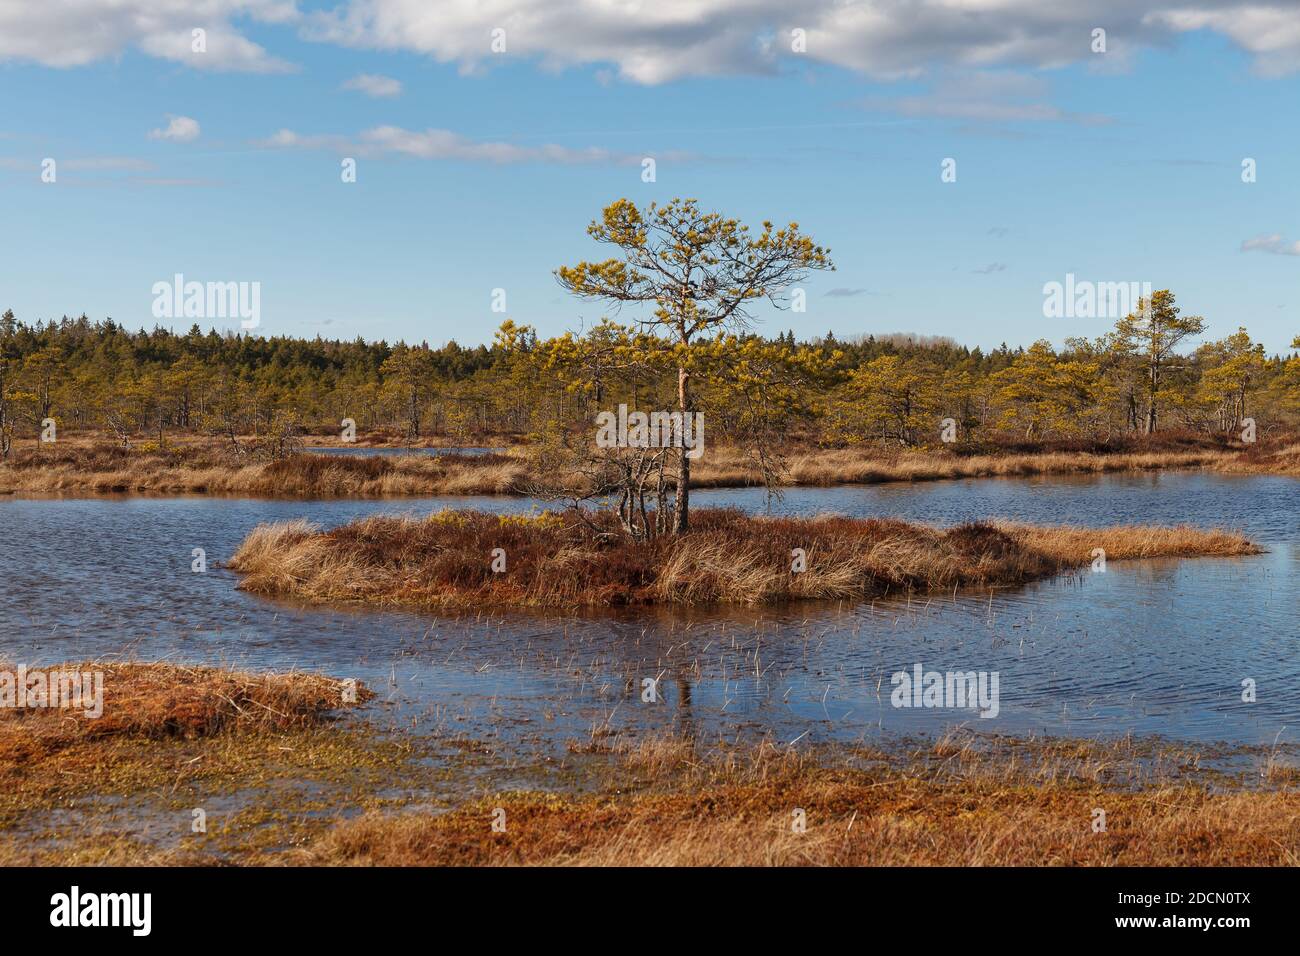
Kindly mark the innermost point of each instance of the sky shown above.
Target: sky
(479, 169)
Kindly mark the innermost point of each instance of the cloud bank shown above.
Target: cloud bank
(657, 41)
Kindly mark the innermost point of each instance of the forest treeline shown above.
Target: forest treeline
(1146, 375)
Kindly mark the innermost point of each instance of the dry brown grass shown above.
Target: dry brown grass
(1282, 461)
(445, 559)
(156, 701)
(1070, 546)
(965, 800)
(207, 468)
(203, 466)
(726, 467)
(256, 750)
(955, 807)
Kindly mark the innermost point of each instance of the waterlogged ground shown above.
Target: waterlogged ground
(1156, 647)
(362, 451)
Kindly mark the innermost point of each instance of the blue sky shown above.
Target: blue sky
(1122, 166)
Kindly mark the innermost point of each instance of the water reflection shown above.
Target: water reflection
(1148, 647)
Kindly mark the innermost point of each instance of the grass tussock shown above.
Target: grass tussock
(158, 701)
(1264, 461)
(446, 559)
(261, 753)
(953, 807)
(1072, 546)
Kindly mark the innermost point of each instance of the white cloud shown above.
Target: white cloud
(441, 144)
(107, 163)
(984, 96)
(372, 84)
(1270, 31)
(288, 139)
(655, 41)
(650, 42)
(68, 33)
(1274, 244)
(180, 129)
(225, 50)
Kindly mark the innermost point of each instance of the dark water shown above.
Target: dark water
(1146, 647)
(364, 452)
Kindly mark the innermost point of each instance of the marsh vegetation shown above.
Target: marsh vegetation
(581, 558)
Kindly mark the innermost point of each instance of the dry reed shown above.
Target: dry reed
(158, 700)
(446, 559)
(954, 806)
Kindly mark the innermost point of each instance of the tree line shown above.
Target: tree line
(693, 279)
(99, 375)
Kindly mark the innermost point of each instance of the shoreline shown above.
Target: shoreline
(286, 781)
(81, 469)
(1019, 803)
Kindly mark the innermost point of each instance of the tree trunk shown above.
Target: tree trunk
(681, 505)
(661, 497)
(1151, 404)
